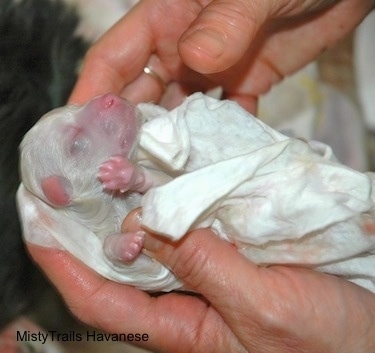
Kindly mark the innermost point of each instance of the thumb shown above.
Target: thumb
(199, 259)
(204, 262)
(214, 268)
(221, 34)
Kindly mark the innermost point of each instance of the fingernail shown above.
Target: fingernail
(209, 42)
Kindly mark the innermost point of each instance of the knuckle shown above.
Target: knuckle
(236, 14)
(191, 263)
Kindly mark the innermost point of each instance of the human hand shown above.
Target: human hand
(243, 308)
(244, 46)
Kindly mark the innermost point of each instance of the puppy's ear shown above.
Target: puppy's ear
(58, 190)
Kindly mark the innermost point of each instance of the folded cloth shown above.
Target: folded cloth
(280, 200)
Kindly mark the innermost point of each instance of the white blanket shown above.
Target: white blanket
(279, 200)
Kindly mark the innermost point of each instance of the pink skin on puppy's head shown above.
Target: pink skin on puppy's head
(79, 140)
(111, 118)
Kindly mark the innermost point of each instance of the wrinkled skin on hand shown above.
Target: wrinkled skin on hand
(243, 308)
(245, 46)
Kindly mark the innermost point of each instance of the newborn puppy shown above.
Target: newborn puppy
(39, 56)
(62, 201)
(64, 172)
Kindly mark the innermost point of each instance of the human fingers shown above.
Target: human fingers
(286, 42)
(215, 269)
(225, 29)
(221, 34)
(150, 85)
(275, 309)
(172, 322)
(117, 58)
